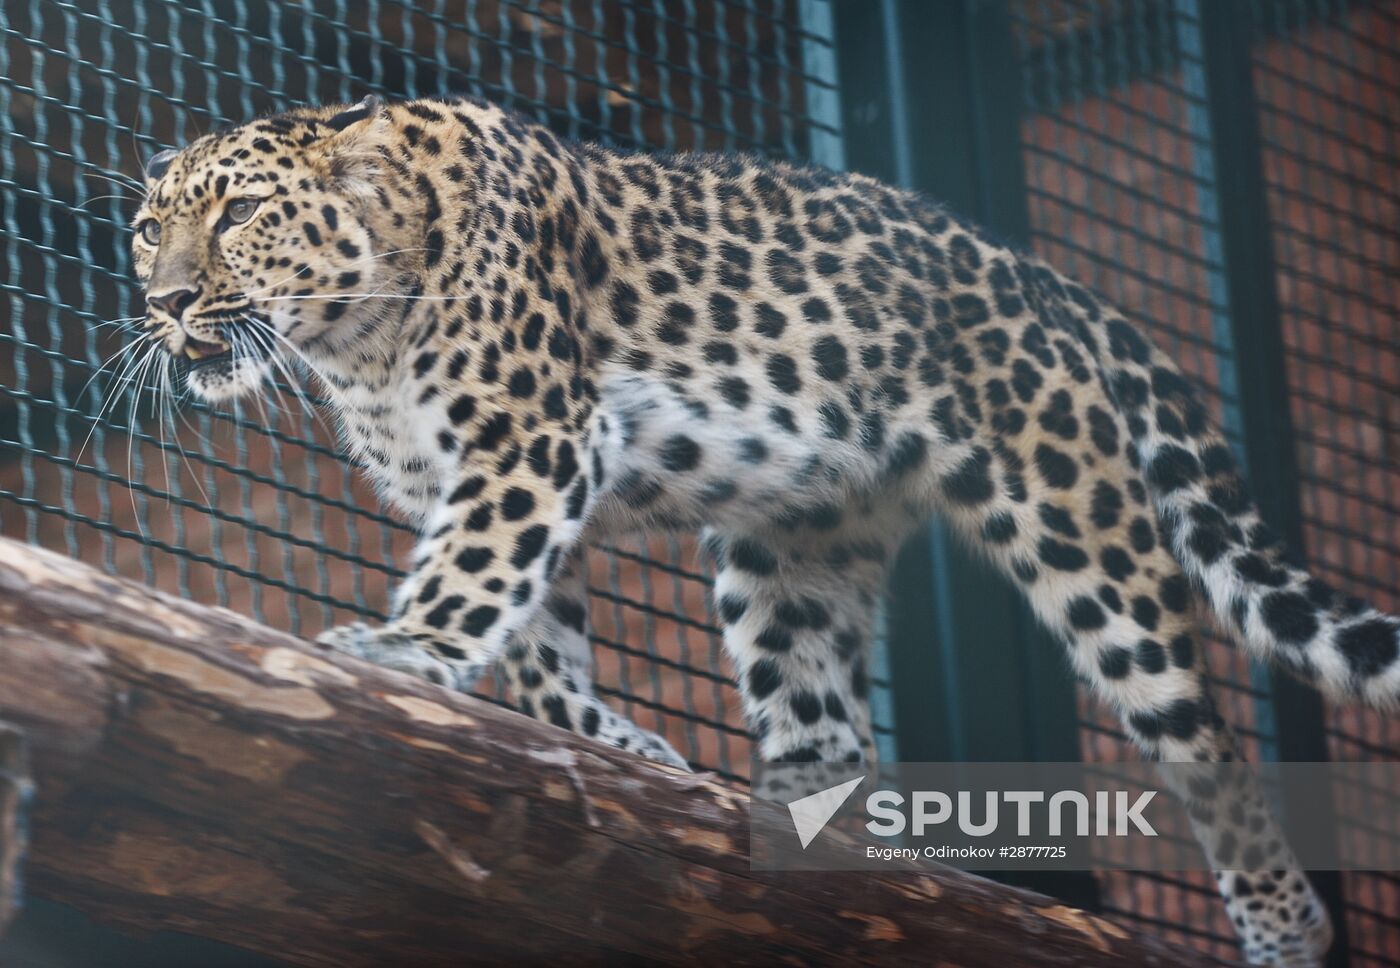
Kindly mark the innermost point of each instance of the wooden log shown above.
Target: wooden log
(198, 772)
(16, 789)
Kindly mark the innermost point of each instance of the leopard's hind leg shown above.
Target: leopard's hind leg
(1082, 541)
(549, 665)
(798, 602)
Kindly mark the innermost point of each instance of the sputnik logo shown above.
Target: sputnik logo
(813, 812)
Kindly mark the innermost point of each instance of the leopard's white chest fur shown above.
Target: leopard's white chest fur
(397, 443)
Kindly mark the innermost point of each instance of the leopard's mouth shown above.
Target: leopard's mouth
(200, 353)
(222, 370)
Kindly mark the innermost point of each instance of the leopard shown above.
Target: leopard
(532, 344)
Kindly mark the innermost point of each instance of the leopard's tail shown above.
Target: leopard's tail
(1263, 598)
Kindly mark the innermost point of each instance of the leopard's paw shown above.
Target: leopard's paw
(653, 747)
(604, 724)
(393, 650)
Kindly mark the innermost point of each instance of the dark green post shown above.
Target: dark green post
(930, 101)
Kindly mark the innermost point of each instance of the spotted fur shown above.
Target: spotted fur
(532, 344)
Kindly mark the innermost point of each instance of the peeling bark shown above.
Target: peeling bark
(198, 772)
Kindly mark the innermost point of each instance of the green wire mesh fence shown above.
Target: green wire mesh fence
(255, 508)
(1328, 96)
(1123, 184)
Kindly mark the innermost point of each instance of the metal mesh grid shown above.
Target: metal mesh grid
(255, 508)
(1327, 93)
(1121, 185)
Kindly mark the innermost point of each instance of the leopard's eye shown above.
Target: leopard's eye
(150, 232)
(240, 210)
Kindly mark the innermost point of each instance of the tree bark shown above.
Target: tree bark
(198, 772)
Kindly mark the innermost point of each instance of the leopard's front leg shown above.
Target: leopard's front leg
(498, 571)
(479, 574)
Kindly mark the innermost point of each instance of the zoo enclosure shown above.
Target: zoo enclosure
(1226, 173)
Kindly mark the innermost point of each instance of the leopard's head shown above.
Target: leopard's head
(263, 240)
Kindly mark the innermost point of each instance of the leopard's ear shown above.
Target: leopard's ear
(366, 110)
(344, 146)
(159, 164)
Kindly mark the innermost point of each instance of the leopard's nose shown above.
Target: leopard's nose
(175, 302)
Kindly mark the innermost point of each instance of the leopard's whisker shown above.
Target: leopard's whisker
(293, 382)
(242, 340)
(124, 348)
(133, 415)
(270, 332)
(114, 389)
(122, 323)
(173, 407)
(123, 181)
(179, 411)
(164, 420)
(266, 334)
(103, 198)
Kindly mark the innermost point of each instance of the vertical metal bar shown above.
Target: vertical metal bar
(821, 91)
(875, 142)
(826, 145)
(901, 158)
(1198, 115)
(1215, 40)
